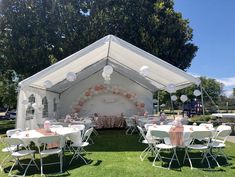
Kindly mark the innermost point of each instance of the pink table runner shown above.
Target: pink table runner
(176, 135)
(46, 133)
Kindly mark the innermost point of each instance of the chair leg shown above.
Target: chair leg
(95, 132)
(9, 174)
(158, 151)
(4, 161)
(61, 163)
(41, 163)
(145, 153)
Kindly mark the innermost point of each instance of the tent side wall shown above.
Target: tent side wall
(26, 120)
(114, 104)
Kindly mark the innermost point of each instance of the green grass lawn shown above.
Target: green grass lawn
(116, 154)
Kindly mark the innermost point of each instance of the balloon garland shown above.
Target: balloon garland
(99, 89)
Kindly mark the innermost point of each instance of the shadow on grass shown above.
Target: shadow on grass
(115, 141)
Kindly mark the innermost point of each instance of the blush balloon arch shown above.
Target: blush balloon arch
(103, 89)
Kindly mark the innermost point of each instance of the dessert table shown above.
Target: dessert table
(110, 122)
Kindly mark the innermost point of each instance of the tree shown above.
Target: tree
(151, 25)
(8, 89)
(36, 34)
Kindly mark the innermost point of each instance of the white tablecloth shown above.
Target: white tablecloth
(187, 130)
(33, 135)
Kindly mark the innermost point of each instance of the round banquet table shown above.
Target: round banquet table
(33, 135)
(179, 136)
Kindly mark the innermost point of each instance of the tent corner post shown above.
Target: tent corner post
(203, 107)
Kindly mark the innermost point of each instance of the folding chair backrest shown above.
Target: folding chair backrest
(79, 126)
(56, 126)
(146, 126)
(223, 134)
(87, 134)
(76, 137)
(129, 122)
(46, 140)
(223, 127)
(141, 131)
(9, 133)
(201, 134)
(159, 134)
(13, 141)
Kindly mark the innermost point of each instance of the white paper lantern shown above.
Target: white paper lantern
(47, 84)
(25, 102)
(71, 76)
(198, 82)
(173, 97)
(171, 88)
(196, 92)
(34, 105)
(108, 70)
(144, 71)
(183, 98)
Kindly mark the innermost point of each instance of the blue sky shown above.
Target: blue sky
(213, 24)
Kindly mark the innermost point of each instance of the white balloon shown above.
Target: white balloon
(173, 97)
(171, 88)
(196, 92)
(47, 84)
(108, 69)
(25, 102)
(71, 76)
(144, 71)
(198, 82)
(183, 98)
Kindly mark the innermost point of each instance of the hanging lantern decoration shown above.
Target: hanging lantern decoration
(171, 88)
(196, 92)
(198, 82)
(71, 76)
(183, 98)
(144, 71)
(173, 97)
(108, 70)
(47, 84)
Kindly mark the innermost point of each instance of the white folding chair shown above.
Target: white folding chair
(51, 145)
(218, 141)
(56, 126)
(81, 127)
(24, 151)
(163, 146)
(131, 126)
(78, 144)
(8, 150)
(201, 146)
(149, 142)
(9, 133)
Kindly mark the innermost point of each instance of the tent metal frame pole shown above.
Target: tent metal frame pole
(172, 106)
(158, 101)
(202, 100)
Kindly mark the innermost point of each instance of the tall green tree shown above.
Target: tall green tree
(36, 34)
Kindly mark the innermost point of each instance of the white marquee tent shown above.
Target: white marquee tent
(51, 88)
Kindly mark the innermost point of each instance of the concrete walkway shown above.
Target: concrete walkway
(231, 139)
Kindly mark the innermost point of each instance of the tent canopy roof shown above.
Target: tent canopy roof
(125, 58)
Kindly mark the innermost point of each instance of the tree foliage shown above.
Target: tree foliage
(35, 34)
(8, 89)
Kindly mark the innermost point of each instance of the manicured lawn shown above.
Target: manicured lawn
(115, 154)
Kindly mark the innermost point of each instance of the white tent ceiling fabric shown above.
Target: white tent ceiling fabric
(125, 58)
